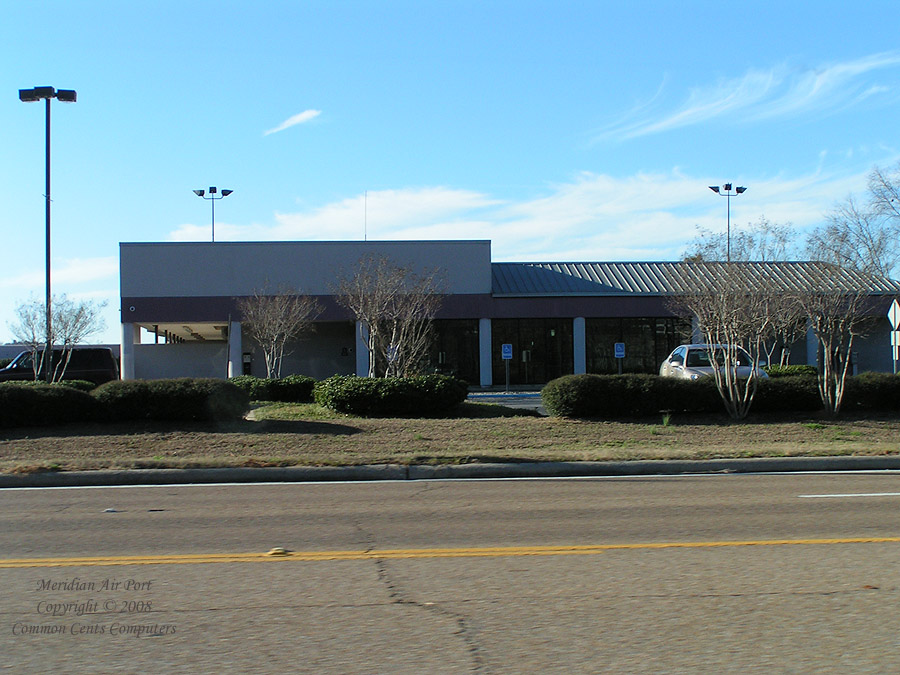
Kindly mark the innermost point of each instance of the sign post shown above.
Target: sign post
(620, 354)
(506, 352)
(894, 316)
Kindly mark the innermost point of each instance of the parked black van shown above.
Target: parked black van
(95, 364)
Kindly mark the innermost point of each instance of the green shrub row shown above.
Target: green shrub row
(422, 396)
(787, 371)
(83, 385)
(617, 396)
(39, 404)
(30, 404)
(176, 399)
(872, 391)
(293, 388)
(614, 396)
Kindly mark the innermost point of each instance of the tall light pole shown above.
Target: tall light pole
(29, 96)
(728, 193)
(212, 200)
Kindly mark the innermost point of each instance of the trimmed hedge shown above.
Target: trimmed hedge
(257, 388)
(176, 399)
(82, 385)
(40, 404)
(788, 371)
(797, 393)
(614, 396)
(872, 391)
(618, 396)
(422, 396)
(293, 388)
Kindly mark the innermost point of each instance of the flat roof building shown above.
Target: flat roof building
(560, 318)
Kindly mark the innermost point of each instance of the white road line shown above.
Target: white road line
(850, 495)
(629, 477)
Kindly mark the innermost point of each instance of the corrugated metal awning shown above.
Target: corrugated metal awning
(672, 278)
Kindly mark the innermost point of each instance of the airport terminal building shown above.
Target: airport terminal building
(180, 316)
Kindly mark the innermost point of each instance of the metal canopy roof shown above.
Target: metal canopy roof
(671, 278)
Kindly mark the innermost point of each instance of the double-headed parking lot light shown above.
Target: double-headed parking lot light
(29, 96)
(212, 199)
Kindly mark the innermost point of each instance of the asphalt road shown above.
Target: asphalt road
(759, 573)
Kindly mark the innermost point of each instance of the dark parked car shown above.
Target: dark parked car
(95, 364)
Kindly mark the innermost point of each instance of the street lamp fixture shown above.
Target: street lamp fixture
(29, 96)
(728, 193)
(212, 198)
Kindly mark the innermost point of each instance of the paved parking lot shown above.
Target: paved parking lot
(527, 400)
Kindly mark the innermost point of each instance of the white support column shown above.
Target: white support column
(579, 345)
(696, 333)
(362, 351)
(131, 335)
(235, 350)
(484, 352)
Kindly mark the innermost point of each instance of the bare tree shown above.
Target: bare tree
(788, 321)
(762, 241)
(71, 322)
(396, 307)
(884, 193)
(274, 319)
(838, 301)
(857, 236)
(732, 308)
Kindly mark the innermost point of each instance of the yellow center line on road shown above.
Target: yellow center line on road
(394, 554)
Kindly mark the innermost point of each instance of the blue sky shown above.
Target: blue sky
(562, 131)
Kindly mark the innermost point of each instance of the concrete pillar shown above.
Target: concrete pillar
(484, 352)
(235, 350)
(131, 335)
(362, 351)
(579, 345)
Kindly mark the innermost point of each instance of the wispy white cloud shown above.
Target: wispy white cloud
(646, 216)
(592, 216)
(780, 91)
(380, 214)
(94, 279)
(299, 118)
(71, 271)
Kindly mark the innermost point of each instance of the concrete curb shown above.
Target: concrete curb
(445, 471)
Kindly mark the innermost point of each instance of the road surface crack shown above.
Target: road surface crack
(465, 631)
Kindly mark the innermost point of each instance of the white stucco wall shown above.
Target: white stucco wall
(189, 359)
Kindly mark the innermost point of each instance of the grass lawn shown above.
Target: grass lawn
(295, 435)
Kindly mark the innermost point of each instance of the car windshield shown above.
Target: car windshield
(699, 358)
(23, 360)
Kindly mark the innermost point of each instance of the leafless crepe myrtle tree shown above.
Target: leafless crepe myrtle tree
(72, 322)
(274, 319)
(396, 307)
(733, 309)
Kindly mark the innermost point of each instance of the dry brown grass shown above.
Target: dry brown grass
(288, 435)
